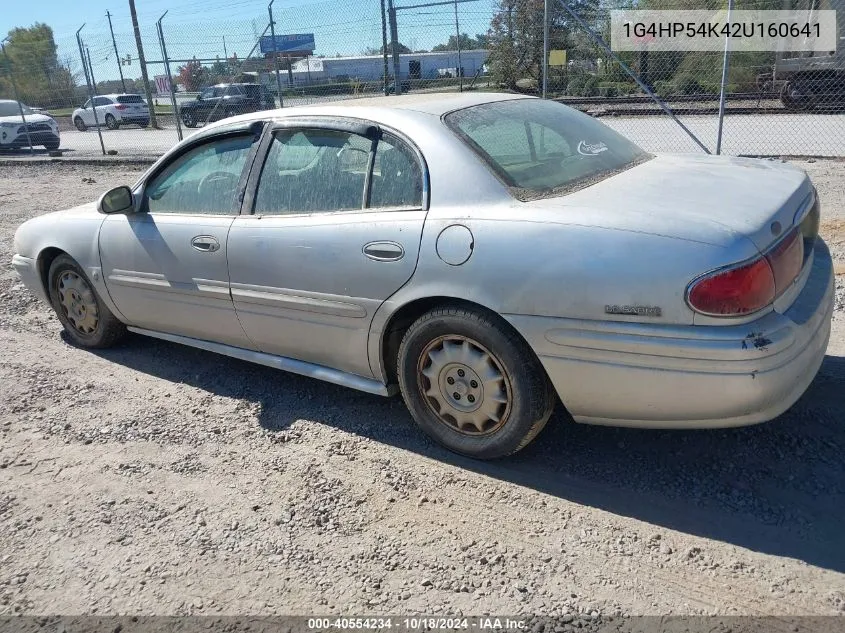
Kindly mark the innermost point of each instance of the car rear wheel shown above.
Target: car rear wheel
(80, 124)
(111, 122)
(472, 384)
(81, 311)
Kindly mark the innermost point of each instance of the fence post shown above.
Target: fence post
(723, 89)
(545, 46)
(458, 44)
(394, 36)
(116, 54)
(169, 77)
(600, 41)
(384, 46)
(275, 52)
(90, 90)
(17, 97)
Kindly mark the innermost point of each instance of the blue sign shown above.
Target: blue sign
(298, 43)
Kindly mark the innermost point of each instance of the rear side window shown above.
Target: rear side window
(542, 148)
(130, 99)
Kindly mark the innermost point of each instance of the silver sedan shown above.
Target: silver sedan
(487, 255)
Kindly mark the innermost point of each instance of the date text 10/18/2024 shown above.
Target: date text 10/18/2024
(484, 623)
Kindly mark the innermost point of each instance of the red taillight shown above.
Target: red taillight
(119, 106)
(752, 286)
(735, 291)
(786, 259)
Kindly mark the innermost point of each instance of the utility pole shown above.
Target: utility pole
(143, 62)
(225, 52)
(116, 54)
(394, 36)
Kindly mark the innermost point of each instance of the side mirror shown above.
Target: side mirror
(117, 200)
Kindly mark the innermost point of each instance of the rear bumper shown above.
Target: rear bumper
(140, 119)
(660, 376)
(27, 269)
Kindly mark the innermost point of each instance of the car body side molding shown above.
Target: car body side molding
(292, 365)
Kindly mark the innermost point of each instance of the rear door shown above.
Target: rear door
(330, 228)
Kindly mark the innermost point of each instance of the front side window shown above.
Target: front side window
(208, 93)
(203, 180)
(542, 148)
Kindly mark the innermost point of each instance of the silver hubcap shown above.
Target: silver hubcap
(78, 302)
(464, 385)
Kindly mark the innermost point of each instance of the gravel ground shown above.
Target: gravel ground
(157, 479)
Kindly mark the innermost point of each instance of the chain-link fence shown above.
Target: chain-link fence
(112, 88)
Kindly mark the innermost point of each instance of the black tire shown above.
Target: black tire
(144, 124)
(51, 147)
(529, 394)
(80, 124)
(111, 122)
(107, 330)
(188, 119)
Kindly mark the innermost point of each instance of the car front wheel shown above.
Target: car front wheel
(472, 383)
(188, 119)
(82, 313)
(80, 124)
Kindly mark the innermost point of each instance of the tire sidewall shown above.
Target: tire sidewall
(509, 354)
(61, 264)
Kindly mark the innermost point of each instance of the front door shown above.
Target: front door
(165, 266)
(337, 221)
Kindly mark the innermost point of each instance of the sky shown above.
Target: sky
(207, 29)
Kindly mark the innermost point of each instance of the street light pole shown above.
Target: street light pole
(116, 54)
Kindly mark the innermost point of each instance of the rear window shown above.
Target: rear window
(542, 148)
(130, 99)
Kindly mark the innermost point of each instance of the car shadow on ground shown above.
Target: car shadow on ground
(777, 488)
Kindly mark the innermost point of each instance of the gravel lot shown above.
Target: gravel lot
(158, 479)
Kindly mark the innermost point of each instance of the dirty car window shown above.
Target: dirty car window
(541, 148)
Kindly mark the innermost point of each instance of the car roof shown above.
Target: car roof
(433, 103)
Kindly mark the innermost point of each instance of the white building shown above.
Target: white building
(371, 67)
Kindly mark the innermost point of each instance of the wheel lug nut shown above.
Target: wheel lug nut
(457, 395)
(473, 384)
(461, 373)
(471, 398)
(450, 380)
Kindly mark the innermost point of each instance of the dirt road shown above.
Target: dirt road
(157, 479)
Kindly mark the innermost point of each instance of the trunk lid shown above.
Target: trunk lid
(710, 199)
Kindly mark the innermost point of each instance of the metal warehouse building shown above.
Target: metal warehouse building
(371, 67)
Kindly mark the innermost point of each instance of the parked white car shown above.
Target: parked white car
(112, 111)
(43, 129)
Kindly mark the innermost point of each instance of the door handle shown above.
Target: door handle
(384, 251)
(205, 243)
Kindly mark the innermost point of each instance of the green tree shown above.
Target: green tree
(467, 43)
(42, 80)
